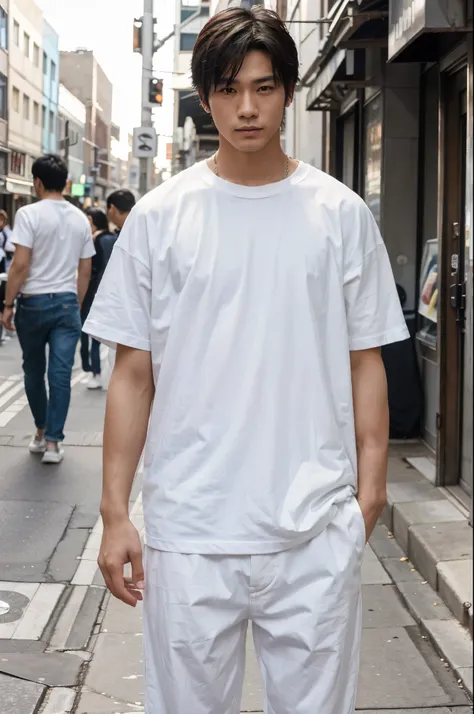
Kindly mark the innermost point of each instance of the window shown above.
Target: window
(36, 113)
(53, 71)
(26, 107)
(3, 29)
(26, 44)
(3, 96)
(45, 63)
(44, 117)
(17, 163)
(187, 40)
(16, 33)
(16, 99)
(36, 55)
(52, 123)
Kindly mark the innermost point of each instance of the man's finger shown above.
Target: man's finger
(138, 575)
(118, 588)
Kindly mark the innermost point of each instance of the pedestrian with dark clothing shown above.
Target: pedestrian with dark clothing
(47, 282)
(104, 242)
(119, 205)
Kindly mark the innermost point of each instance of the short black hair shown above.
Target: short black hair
(228, 37)
(52, 172)
(123, 200)
(98, 217)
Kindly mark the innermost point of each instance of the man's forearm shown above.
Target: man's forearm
(16, 278)
(372, 427)
(83, 280)
(129, 401)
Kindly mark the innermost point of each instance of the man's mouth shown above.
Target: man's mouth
(249, 130)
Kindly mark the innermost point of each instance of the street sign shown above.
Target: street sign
(145, 143)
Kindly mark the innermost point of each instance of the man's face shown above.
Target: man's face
(248, 112)
(114, 216)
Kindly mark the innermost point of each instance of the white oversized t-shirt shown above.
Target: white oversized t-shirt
(59, 236)
(250, 300)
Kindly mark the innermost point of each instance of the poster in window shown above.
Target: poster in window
(429, 288)
(373, 155)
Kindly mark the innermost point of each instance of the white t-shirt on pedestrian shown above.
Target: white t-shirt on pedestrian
(59, 236)
(250, 300)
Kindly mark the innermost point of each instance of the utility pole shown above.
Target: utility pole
(147, 40)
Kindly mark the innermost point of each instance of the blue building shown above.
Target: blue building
(50, 89)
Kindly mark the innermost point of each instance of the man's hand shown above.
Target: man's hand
(121, 545)
(7, 319)
(371, 512)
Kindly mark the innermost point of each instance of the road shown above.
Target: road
(66, 644)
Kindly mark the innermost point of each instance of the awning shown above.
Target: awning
(23, 188)
(344, 71)
(415, 26)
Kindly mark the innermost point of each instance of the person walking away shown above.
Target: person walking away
(4, 256)
(249, 296)
(119, 205)
(103, 243)
(50, 272)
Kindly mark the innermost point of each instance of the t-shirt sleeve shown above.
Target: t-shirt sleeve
(88, 249)
(121, 311)
(23, 233)
(374, 314)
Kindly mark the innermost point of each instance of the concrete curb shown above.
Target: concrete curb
(433, 537)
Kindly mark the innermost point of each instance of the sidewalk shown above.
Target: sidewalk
(401, 670)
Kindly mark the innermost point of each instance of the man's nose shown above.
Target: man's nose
(248, 105)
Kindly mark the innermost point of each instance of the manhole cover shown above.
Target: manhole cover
(16, 604)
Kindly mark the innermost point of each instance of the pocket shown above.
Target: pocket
(361, 520)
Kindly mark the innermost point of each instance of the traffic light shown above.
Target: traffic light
(137, 34)
(155, 91)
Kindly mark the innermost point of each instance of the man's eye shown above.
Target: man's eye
(265, 88)
(227, 90)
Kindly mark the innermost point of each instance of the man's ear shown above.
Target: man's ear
(204, 104)
(290, 97)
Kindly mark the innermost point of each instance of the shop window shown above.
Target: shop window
(16, 33)
(3, 29)
(3, 163)
(3, 96)
(373, 155)
(16, 99)
(26, 44)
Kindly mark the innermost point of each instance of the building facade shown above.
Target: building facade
(84, 77)
(49, 110)
(25, 98)
(4, 37)
(385, 104)
(191, 16)
(71, 128)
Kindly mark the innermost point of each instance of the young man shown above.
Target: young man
(119, 205)
(51, 270)
(248, 297)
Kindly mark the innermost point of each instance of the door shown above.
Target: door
(453, 285)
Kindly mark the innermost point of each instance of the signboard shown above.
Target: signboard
(410, 18)
(145, 143)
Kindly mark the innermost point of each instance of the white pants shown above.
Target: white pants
(305, 608)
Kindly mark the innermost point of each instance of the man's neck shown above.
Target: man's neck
(52, 196)
(251, 168)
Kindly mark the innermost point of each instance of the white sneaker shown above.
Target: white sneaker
(37, 446)
(53, 456)
(94, 382)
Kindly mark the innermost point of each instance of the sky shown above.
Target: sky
(106, 27)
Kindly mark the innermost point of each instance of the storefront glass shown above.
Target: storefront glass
(373, 155)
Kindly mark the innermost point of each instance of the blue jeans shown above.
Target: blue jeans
(51, 319)
(90, 354)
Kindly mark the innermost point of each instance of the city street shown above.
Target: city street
(66, 646)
